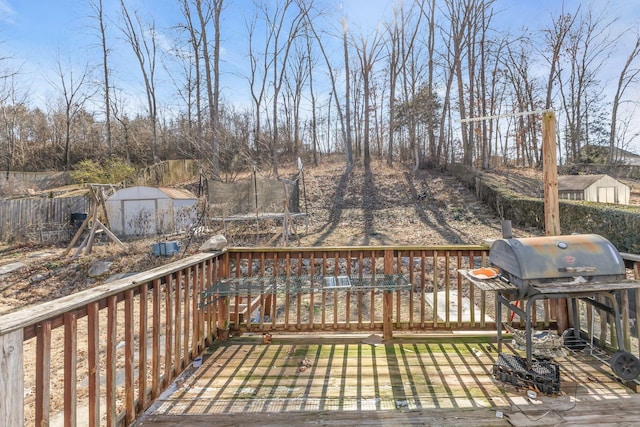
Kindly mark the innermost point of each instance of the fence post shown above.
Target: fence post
(11, 379)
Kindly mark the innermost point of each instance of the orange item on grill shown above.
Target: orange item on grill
(484, 273)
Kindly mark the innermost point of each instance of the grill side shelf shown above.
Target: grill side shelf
(584, 287)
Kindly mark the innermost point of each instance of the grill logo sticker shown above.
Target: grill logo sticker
(569, 259)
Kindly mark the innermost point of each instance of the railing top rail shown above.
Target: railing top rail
(460, 247)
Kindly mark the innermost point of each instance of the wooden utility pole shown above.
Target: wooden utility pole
(551, 203)
(550, 172)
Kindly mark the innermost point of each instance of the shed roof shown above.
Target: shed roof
(142, 192)
(177, 193)
(577, 182)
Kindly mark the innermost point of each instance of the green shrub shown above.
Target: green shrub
(113, 171)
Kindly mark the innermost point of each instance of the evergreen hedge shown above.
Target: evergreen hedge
(620, 224)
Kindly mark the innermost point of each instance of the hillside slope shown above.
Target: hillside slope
(393, 206)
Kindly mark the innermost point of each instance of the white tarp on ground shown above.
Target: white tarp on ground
(453, 307)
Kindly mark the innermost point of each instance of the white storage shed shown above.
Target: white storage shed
(593, 188)
(141, 211)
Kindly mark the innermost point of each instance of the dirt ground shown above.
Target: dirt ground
(380, 206)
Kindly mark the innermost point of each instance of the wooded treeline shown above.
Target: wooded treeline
(317, 84)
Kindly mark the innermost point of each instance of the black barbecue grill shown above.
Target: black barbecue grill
(580, 266)
(534, 262)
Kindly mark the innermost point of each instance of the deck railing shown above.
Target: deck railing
(104, 355)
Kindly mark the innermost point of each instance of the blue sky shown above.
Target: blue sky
(34, 32)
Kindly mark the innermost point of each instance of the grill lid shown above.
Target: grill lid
(544, 259)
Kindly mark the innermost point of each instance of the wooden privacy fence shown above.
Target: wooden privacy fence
(104, 355)
(39, 219)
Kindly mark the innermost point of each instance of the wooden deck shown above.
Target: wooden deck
(413, 380)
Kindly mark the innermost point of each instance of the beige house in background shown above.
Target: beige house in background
(593, 188)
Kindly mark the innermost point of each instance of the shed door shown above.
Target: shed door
(139, 217)
(607, 194)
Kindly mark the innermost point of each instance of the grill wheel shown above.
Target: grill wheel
(625, 365)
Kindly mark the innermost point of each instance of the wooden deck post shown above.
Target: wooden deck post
(11, 379)
(387, 302)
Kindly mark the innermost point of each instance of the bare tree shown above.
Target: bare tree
(258, 66)
(453, 38)
(194, 85)
(344, 123)
(74, 94)
(13, 114)
(402, 44)
(627, 77)
(296, 78)
(213, 11)
(554, 40)
(588, 46)
(311, 65)
(368, 50)
(345, 46)
(119, 113)
(459, 13)
(142, 40)
(516, 72)
(96, 5)
(280, 56)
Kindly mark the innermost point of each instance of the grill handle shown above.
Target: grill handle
(577, 269)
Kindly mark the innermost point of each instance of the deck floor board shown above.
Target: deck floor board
(422, 381)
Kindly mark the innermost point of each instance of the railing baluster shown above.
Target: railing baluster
(196, 293)
(447, 288)
(155, 341)
(274, 308)
(372, 295)
(128, 358)
(186, 280)
(169, 327)
(299, 296)
(312, 311)
(43, 373)
(287, 293)
(177, 339)
(70, 367)
(423, 288)
(198, 330)
(459, 301)
(112, 334)
(411, 288)
(142, 350)
(360, 291)
(93, 352)
(324, 293)
(434, 277)
(398, 270)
